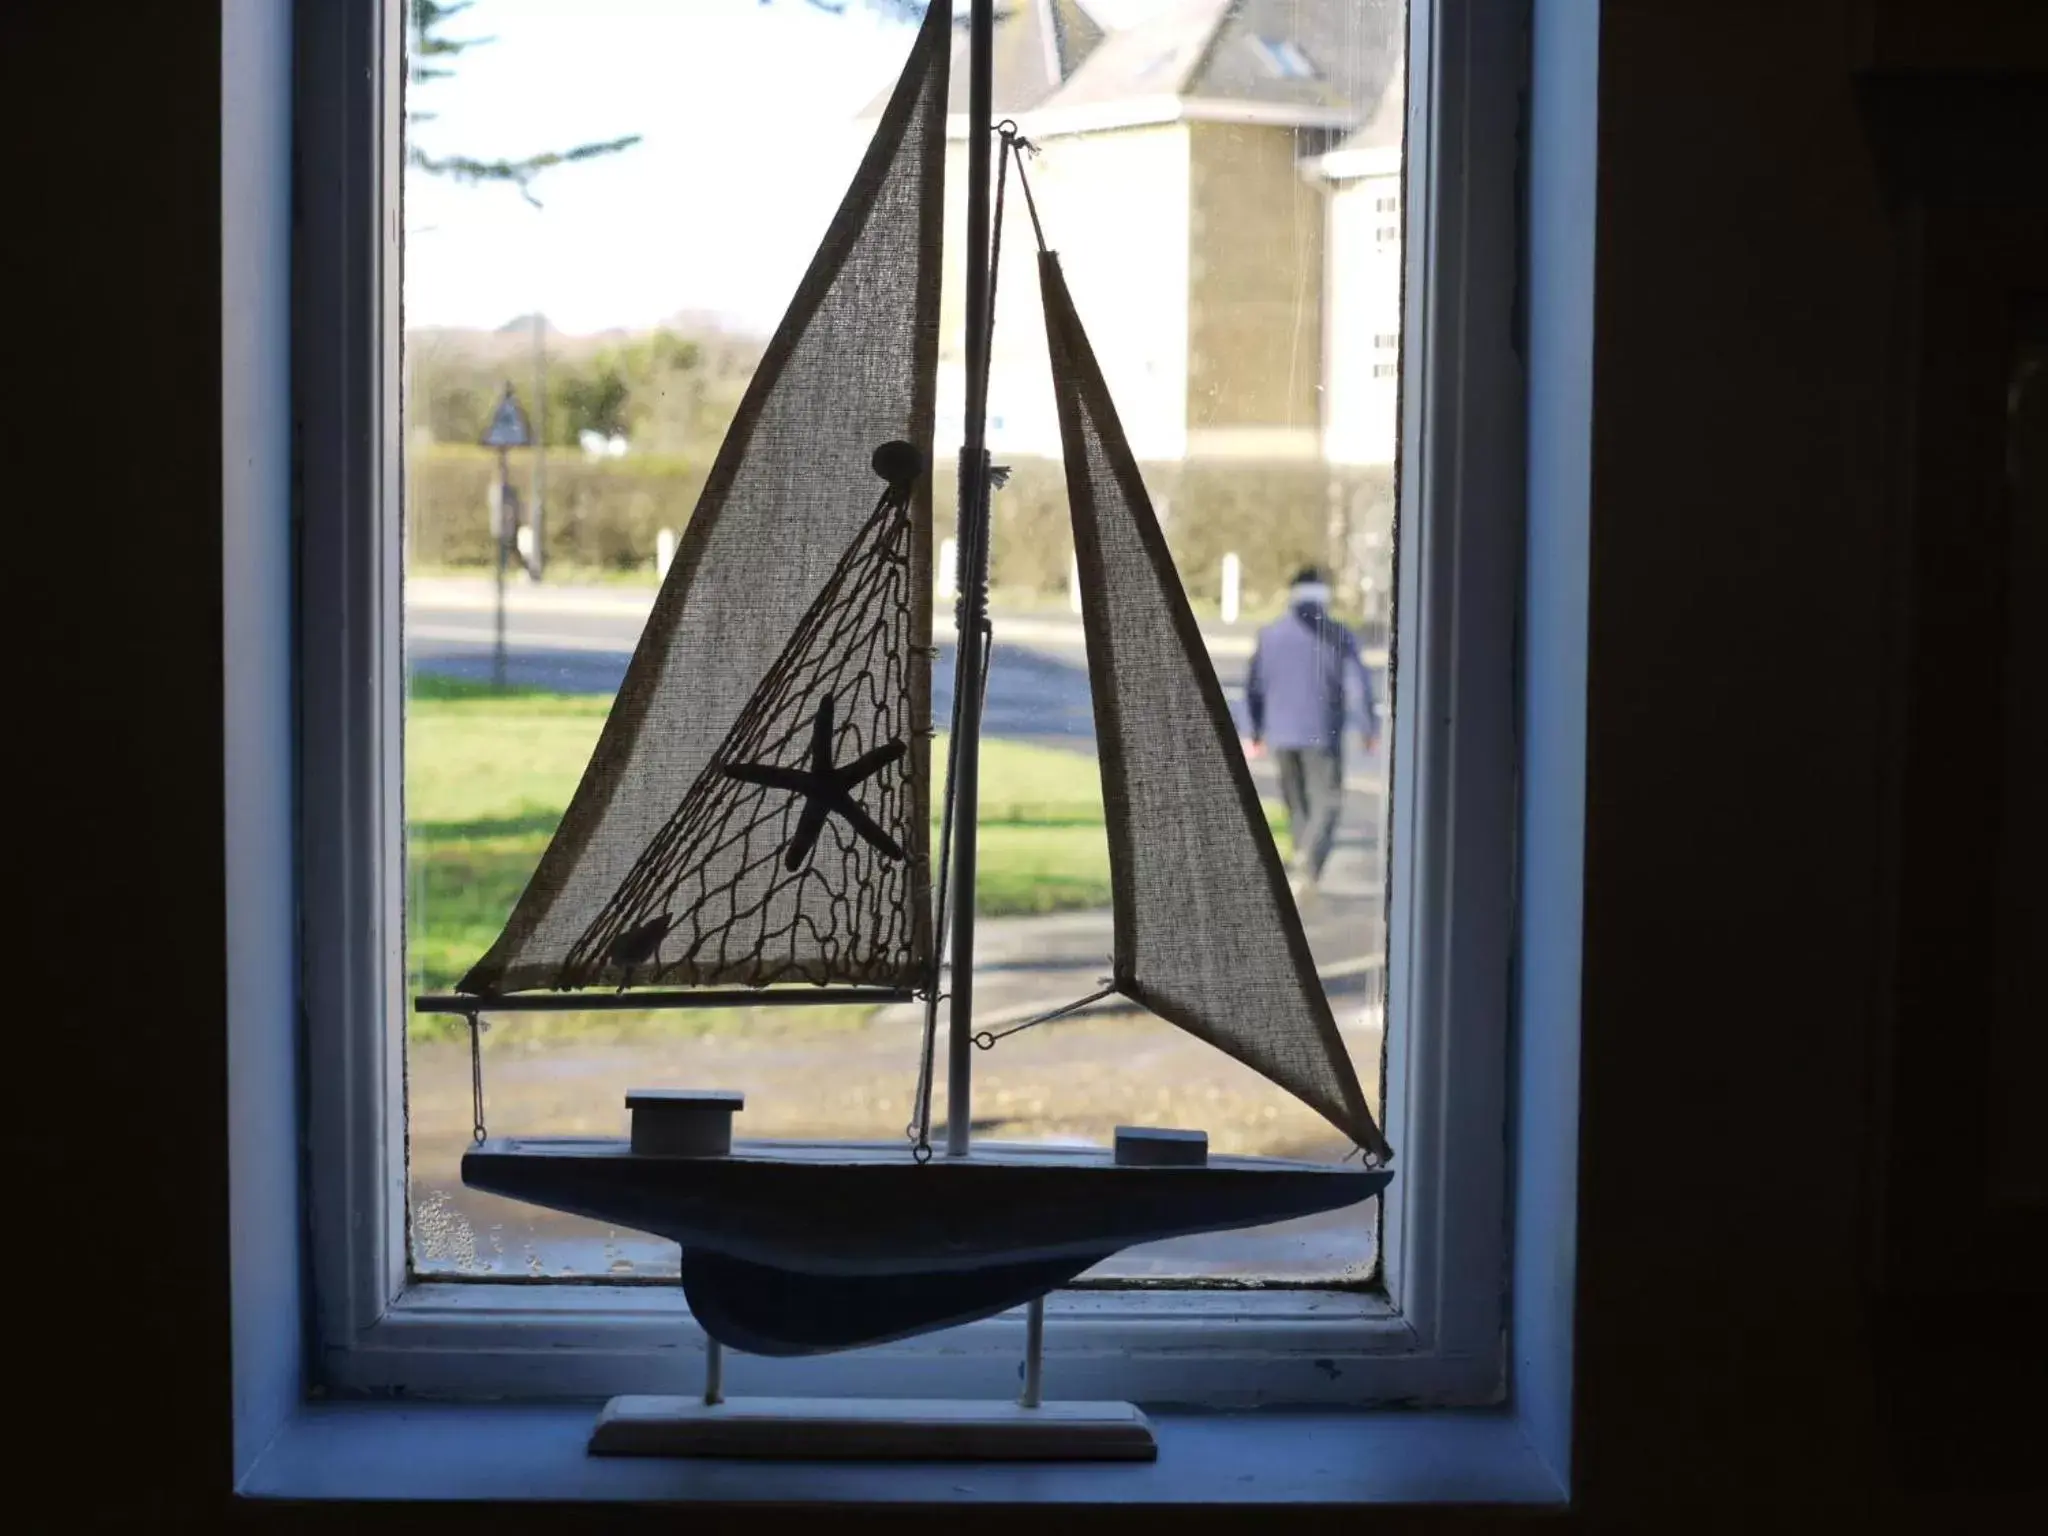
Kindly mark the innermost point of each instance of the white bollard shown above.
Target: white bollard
(1074, 584)
(948, 569)
(664, 552)
(1233, 587)
(522, 538)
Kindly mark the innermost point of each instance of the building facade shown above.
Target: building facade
(1221, 183)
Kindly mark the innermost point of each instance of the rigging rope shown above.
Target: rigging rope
(920, 1127)
(476, 1077)
(1019, 147)
(987, 1038)
(969, 566)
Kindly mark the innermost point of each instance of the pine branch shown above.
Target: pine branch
(427, 17)
(430, 15)
(519, 173)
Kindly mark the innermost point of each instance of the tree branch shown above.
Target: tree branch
(519, 173)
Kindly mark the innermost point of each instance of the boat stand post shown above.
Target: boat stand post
(876, 1428)
(1034, 1353)
(714, 1372)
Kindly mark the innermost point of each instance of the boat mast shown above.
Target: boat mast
(971, 611)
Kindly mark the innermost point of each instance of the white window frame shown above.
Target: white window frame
(1436, 1332)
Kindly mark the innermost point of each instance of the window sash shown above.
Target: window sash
(1434, 1332)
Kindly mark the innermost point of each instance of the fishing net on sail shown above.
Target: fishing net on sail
(804, 810)
(789, 642)
(1207, 935)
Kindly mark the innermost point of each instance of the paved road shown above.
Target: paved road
(579, 641)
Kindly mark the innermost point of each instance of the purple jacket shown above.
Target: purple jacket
(1307, 677)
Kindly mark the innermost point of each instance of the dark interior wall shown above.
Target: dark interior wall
(1734, 767)
(1736, 960)
(117, 1083)
(1757, 621)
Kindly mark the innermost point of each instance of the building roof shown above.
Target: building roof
(1038, 44)
(1374, 149)
(1332, 54)
(1323, 63)
(1313, 62)
(1152, 59)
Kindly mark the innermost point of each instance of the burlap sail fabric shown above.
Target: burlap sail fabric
(802, 584)
(1207, 935)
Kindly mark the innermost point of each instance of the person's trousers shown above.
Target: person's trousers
(1312, 786)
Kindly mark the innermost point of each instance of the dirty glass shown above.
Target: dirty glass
(607, 207)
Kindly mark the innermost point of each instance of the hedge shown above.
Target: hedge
(602, 515)
(1275, 515)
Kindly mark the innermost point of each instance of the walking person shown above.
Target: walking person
(1307, 681)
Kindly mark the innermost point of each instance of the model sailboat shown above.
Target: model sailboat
(754, 823)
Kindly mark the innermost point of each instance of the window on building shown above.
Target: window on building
(1282, 58)
(612, 321)
(1385, 341)
(1385, 204)
(1386, 232)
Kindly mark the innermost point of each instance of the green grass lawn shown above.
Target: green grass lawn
(489, 772)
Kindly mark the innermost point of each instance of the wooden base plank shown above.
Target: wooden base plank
(872, 1429)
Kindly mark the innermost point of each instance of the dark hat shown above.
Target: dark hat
(1309, 573)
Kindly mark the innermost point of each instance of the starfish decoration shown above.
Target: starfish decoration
(827, 789)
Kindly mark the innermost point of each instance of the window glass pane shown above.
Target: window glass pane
(1232, 260)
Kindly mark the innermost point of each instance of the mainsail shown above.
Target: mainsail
(1207, 935)
(755, 810)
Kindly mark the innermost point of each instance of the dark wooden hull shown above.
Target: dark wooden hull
(765, 1310)
(798, 1247)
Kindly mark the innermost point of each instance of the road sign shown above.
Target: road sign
(508, 427)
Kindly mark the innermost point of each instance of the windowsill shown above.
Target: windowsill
(506, 1453)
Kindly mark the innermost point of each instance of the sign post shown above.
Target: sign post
(508, 430)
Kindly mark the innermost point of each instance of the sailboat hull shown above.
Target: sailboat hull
(799, 1247)
(765, 1310)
